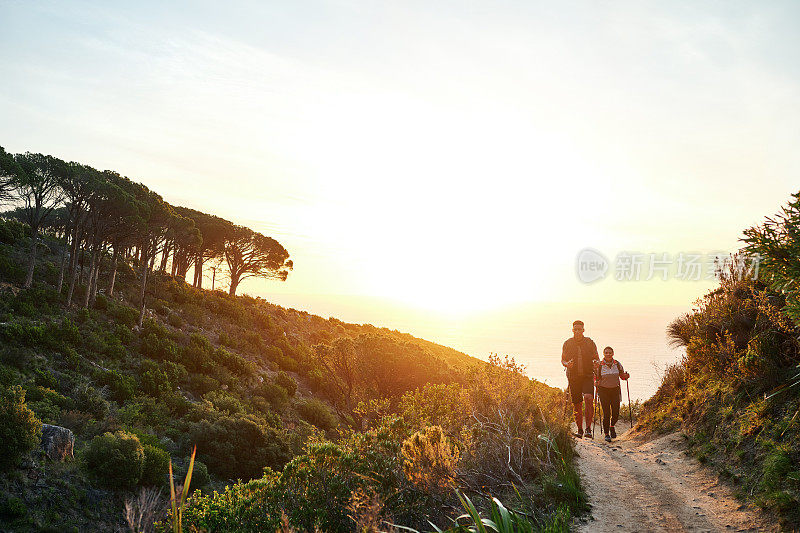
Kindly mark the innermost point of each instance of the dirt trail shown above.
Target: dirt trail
(655, 486)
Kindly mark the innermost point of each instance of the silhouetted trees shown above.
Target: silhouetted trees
(9, 173)
(38, 189)
(251, 254)
(102, 217)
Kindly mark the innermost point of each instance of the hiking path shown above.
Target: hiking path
(638, 485)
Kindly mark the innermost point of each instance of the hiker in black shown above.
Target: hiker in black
(609, 372)
(578, 356)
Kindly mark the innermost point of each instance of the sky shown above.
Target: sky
(450, 157)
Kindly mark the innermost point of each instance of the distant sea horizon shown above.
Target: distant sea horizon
(531, 333)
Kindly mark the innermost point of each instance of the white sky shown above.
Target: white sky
(442, 155)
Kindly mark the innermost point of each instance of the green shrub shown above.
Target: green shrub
(160, 379)
(200, 384)
(175, 320)
(123, 314)
(272, 353)
(316, 489)
(197, 355)
(11, 231)
(44, 378)
(235, 363)
(287, 382)
(91, 400)
(156, 466)
(239, 446)
(122, 388)
(12, 507)
(20, 430)
(10, 270)
(318, 413)
(47, 403)
(288, 364)
(200, 477)
(101, 302)
(159, 347)
(777, 465)
(116, 459)
(145, 412)
(160, 306)
(273, 393)
(225, 340)
(224, 402)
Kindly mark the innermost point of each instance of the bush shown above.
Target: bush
(47, 403)
(198, 354)
(200, 477)
(91, 400)
(123, 314)
(122, 388)
(273, 393)
(20, 430)
(12, 507)
(201, 384)
(429, 461)
(144, 411)
(316, 489)
(116, 459)
(158, 347)
(287, 382)
(11, 231)
(318, 413)
(156, 466)
(224, 402)
(101, 302)
(175, 320)
(160, 379)
(240, 446)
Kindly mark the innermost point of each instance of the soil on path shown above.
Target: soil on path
(637, 485)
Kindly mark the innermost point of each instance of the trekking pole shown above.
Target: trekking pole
(566, 404)
(630, 410)
(594, 414)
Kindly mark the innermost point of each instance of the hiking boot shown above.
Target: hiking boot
(608, 438)
(588, 434)
(579, 434)
(613, 433)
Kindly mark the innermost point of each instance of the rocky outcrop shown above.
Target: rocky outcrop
(57, 442)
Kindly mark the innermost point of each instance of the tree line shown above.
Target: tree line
(101, 214)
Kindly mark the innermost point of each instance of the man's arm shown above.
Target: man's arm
(565, 359)
(593, 348)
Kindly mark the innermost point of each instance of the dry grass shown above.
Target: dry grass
(143, 510)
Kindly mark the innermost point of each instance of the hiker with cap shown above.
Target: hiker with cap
(609, 372)
(579, 355)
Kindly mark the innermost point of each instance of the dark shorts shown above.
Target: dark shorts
(580, 385)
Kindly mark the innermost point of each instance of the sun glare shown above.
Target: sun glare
(447, 209)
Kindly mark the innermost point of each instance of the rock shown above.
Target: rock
(57, 442)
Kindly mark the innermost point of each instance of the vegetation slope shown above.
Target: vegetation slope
(736, 394)
(297, 420)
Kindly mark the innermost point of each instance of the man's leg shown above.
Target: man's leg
(588, 399)
(578, 416)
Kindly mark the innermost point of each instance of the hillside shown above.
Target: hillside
(735, 395)
(253, 386)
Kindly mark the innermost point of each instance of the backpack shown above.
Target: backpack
(579, 356)
(600, 368)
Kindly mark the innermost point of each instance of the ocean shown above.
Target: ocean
(532, 333)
